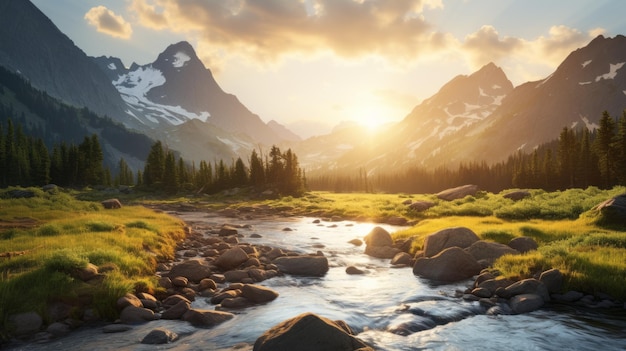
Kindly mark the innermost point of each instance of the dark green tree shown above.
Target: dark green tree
(155, 165)
(604, 148)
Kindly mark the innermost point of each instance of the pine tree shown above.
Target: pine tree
(170, 174)
(604, 148)
(620, 150)
(155, 165)
(257, 170)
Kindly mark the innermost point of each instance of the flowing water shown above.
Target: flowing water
(389, 308)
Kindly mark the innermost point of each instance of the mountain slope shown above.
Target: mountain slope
(33, 46)
(176, 88)
(590, 80)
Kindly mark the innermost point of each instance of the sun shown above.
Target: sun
(371, 117)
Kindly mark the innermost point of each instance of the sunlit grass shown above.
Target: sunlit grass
(68, 233)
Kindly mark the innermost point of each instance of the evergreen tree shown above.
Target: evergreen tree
(155, 165)
(257, 170)
(620, 150)
(604, 148)
(170, 174)
(239, 174)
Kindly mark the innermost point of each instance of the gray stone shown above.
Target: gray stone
(128, 300)
(489, 251)
(111, 204)
(401, 258)
(523, 244)
(385, 252)
(458, 192)
(176, 311)
(452, 264)
(526, 286)
(457, 236)
(159, 336)
(236, 276)
(227, 231)
(194, 270)
(552, 279)
(26, 323)
(378, 237)
(525, 303)
(611, 211)
(206, 318)
(315, 266)
(135, 315)
(419, 206)
(517, 195)
(481, 292)
(258, 294)
(352, 270)
(232, 258)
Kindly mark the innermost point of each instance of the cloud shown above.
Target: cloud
(106, 21)
(269, 30)
(487, 45)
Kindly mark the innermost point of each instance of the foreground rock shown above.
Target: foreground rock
(450, 265)
(309, 332)
(487, 253)
(206, 318)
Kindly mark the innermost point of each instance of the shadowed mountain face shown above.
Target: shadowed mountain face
(31, 45)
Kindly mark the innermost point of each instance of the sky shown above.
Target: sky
(312, 64)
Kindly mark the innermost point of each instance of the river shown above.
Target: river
(389, 308)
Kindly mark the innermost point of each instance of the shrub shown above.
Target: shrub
(65, 261)
(100, 227)
(49, 230)
(499, 236)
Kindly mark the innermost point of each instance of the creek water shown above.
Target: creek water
(389, 308)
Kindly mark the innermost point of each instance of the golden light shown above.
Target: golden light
(370, 116)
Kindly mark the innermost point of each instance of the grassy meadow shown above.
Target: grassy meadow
(52, 234)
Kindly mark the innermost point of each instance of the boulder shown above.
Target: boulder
(356, 242)
(176, 311)
(553, 280)
(517, 195)
(86, 273)
(452, 264)
(135, 315)
(206, 318)
(26, 323)
(159, 336)
(456, 236)
(227, 230)
(128, 300)
(315, 266)
(232, 258)
(20, 194)
(258, 294)
(352, 270)
(526, 286)
(401, 258)
(308, 332)
(385, 252)
(194, 270)
(523, 244)
(378, 237)
(236, 276)
(458, 192)
(419, 206)
(111, 204)
(525, 303)
(611, 211)
(492, 285)
(489, 251)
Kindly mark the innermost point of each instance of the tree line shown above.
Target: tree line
(278, 171)
(579, 158)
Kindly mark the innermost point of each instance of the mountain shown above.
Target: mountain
(462, 102)
(482, 117)
(176, 88)
(589, 81)
(31, 45)
(170, 95)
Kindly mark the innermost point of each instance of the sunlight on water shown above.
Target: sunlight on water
(389, 308)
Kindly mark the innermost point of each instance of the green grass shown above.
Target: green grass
(67, 234)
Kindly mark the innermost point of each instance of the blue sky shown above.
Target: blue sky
(326, 61)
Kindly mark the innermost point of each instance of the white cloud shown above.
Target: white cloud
(107, 22)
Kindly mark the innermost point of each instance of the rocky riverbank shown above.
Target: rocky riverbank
(216, 263)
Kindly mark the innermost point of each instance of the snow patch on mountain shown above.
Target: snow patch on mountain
(235, 144)
(112, 66)
(584, 64)
(134, 87)
(613, 68)
(180, 58)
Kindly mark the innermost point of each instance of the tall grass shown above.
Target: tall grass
(69, 234)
